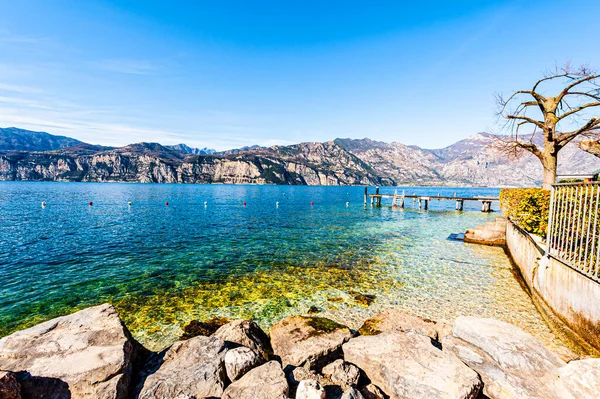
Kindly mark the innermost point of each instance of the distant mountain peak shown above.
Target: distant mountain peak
(186, 149)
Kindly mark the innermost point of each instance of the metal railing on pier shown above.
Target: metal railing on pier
(573, 227)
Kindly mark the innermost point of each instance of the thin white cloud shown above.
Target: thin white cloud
(20, 89)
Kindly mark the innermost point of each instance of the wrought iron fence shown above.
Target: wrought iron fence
(573, 227)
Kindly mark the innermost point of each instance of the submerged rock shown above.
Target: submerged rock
(396, 319)
(313, 310)
(405, 365)
(239, 361)
(204, 328)
(190, 368)
(248, 334)
(9, 386)
(264, 382)
(89, 353)
(310, 389)
(313, 340)
(362, 299)
(511, 363)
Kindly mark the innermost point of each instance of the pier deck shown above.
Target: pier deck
(423, 200)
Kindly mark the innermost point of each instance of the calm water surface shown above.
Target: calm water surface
(163, 266)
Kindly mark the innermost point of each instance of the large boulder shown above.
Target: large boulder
(9, 386)
(314, 340)
(246, 333)
(396, 319)
(582, 377)
(264, 382)
(239, 361)
(406, 365)
(511, 363)
(190, 368)
(89, 353)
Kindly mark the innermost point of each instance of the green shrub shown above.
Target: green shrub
(528, 207)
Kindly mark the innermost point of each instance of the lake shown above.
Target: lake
(162, 266)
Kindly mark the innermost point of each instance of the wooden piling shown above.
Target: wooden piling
(366, 195)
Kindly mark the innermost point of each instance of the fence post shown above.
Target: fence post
(550, 227)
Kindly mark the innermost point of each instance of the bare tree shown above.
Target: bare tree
(558, 119)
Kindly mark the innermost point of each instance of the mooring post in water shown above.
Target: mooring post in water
(486, 206)
(378, 199)
(425, 203)
(366, 195)
(459, 205)
(395, 196)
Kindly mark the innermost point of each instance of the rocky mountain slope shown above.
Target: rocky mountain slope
(474, 161)
(14, 139)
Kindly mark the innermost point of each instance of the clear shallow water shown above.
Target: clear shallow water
(163, 266)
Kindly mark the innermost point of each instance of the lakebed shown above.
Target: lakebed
(287, 250)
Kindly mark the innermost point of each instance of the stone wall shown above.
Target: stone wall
(569, 295)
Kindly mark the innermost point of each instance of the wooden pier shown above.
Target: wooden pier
(398, 200)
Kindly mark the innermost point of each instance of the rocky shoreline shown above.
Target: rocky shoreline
(91, 354)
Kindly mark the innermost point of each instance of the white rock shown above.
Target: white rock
(310, 389)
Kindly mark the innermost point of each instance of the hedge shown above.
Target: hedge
(528, 207)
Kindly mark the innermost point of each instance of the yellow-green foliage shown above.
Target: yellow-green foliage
(528, 207)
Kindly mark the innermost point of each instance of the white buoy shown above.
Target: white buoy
(347, 204)
(277, 204)
(129, 203)
(205, 204)
(43, 204)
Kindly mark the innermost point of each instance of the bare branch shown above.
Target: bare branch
(575, 110)
(564, 138)
(539, 124)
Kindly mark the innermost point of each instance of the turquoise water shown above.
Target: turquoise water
(163, 266)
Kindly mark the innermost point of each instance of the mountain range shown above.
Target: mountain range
(474, 161)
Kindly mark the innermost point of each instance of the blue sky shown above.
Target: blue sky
(233, 73)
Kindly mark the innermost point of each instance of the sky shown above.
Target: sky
(225, 74)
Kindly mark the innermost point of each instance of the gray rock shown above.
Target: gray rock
(85, 354)
(246, 333)
(194, 368)
(352, 393)
(239, 361)
(313, 340)
(405, 364)
(511, 363)
(9, 386)
(582, 377)
(310, 389)
(342, 373)
(264, 382)
(396, 319)
(372, 392)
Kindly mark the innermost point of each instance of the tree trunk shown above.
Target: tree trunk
(550, 163)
